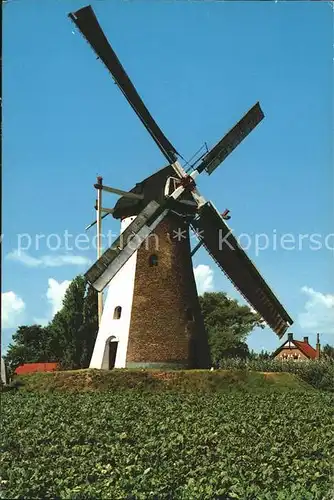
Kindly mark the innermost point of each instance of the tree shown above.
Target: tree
(328, 351)
(67, 323)
(89, 328)
(29, 346)
(259, 355)
(228, 323)
(265, 355)
(70, 336)
(74, 328)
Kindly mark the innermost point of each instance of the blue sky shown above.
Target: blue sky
(199, 66)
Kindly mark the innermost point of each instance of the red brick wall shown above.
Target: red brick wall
(160, 331)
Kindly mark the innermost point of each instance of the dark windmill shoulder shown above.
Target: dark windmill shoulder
(153, 189)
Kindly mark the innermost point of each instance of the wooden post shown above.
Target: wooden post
(318, 348)
(99, 241)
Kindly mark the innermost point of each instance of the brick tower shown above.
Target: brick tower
(152, 316)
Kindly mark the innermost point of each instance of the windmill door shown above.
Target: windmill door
(112, 354)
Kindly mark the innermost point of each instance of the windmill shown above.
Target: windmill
(152, 316)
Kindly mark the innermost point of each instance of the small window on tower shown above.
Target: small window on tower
(190, 316)
(153, 260)
(117, 312)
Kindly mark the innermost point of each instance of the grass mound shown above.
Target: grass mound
(156, 380)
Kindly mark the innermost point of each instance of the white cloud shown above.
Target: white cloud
(204, 278)
(64, 260)
(24, 258)
(12, 307)
(55, 294)
(48, 260)
(318, 314)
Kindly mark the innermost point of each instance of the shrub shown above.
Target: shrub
(318, 373)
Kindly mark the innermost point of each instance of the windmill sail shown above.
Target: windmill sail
(231, 140)
(113, 259)
(225, 250)
(88, 24)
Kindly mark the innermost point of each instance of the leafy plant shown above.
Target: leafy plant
(133, 444)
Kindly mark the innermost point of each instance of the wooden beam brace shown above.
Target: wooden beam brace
(120, 192)
(108, 210)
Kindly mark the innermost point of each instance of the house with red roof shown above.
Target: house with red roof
(297, 350)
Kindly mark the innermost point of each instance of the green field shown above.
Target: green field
(162, 444)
